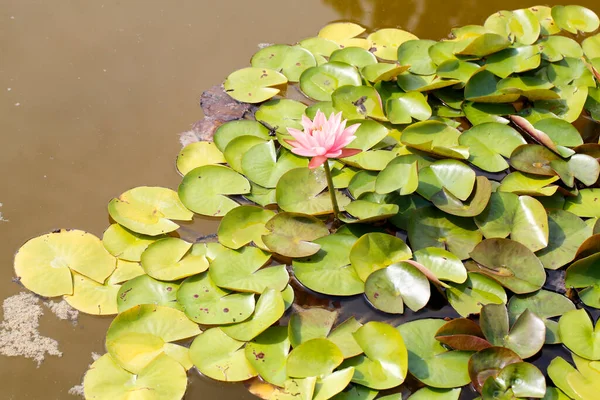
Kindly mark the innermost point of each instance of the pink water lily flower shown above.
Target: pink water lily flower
(323, 138)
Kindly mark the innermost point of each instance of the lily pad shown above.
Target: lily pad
(358, 102)
(172, 258)
(244, 225)
(163, 378)
(329, 270)
(523, 217)
(310, 323)
(575, 19)
(368, 211)
(579, 335)
(205, 303)
(44, 263)
(332, 384)
(375, 251)
(197, 154)
(513, 60)
(384, 363)
(140, 334)
(585, 204)
(241, 270)
(231, 130)
(341, 32)
(527, 184)
(544, 16)
(478, 290)
(441, 263)
(291, 234)
(555, 48)
(125, 244)
(382, 71)
(483, 88)
(146, 290)
(454, 176)
(126, 270)
(510, 263)
(416, 54)
(263, 166)
(254, 84)
(291, 61)
(343, 337)
(489, 143)
(524, 25)
(301, 190)
(92, 297)
(583, 274)
(280, 114)
(525, 337)
(472, 206)
(220, 357)
(430, 227)
(320, 82)
(488, 363)
(435, 137)
(315, 357)
(462, 334)
(400, 176)
(237, 148)
(204, 190)
(386, 42)
(354, 56)
(268, 353)
(402, 108)
(521, 380)
(428, 360)
(428, 393)
(388, 289)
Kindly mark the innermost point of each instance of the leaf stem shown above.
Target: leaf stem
(336, 209)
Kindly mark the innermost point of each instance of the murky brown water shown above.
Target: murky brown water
(92, 96)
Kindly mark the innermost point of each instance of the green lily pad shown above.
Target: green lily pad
(403, 107)
(343, 337)
(435, 137)
(591, 46)
(310, 323)
(560, 132)
(241, 270)
(416, 54)
(568, 71)
(523, 217)
(205, 303)
(400, 176)
(291, 61)
(236, 149)
(341, 32)
(254, 84)
(368, 211)
(441, 263)
(149, 210)
(462, 334)
(375, 251)
(518, 380)
(525, 337)
(146, 290)
(372, 160)
(92, 297)
(125, 244)
(315, 357)
(545, 305)
(468, 297)
(332, 384)
(563, 375)
(571, 102)
(295, 389)
(163, 378)
(510, 263)
(262, 166)
(428, 360)
(220, 357)
(513, 60)
(204, 190)
(532, 88)
(430, 227)
(489, 363)
(386, 42)
(524, 25)
(357, 392)
(583, 273)
(44, 263)
(527, 184)
(260, 195)
(301, 190)
(197, 154)
(382, 71)
(481, 113)
(489, 143)
(483, 88)
(536, 159)
(384, 363)
(140, 334)
(291, 234)
(268, 352)
(544, 16)
(172, 258)
(126, 270)
(428, 393)
(319, 47)
(575, 19)
(320, 82)
(354, 56)
(423, 83)
(358, 102)
(231, 130)
(482, 45)
(579, 335)
(456, 69)
(472, 206)
(329, 270)
(269, 308)
(388, 289)
(243, 225)
(280, 114)
(555, 48)
(566, 233)
(585, 204)
(584, 168)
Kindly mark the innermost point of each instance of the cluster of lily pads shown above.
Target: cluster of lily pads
(473, 186)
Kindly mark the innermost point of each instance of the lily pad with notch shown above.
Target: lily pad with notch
(291, 61)
(254, 84)
(320, 82)
(243, 225)
(170, 259)
(291, 234)
(468, 297)
(146, 290)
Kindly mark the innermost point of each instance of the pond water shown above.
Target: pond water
(92, 96)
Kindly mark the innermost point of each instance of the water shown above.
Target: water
(92, 96)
